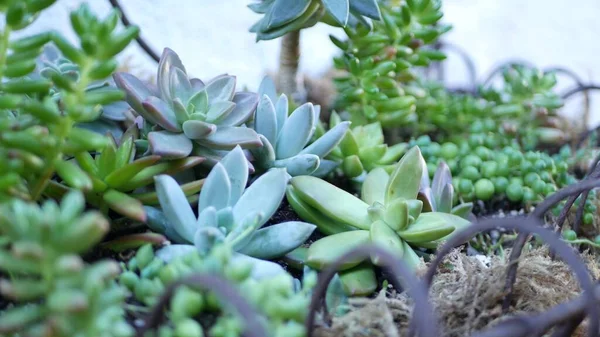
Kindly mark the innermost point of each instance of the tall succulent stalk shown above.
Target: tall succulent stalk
(289, 59)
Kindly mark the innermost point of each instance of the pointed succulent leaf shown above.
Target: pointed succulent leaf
(359, 281)
(179, 85)
(369, 135)
(284, 12)
(373, 188)
(171, 252)
(136, 91)
(245, 105)
(393, 153)
(123, 174)
(349, 145)
(199, 100)
(264, 156)
(385, 237)
(207, 237)
(126, 151)
(179, 109)
(220, 88)
(236, 165)
(396, 214)
(175, 206)
(410, 257)
(277, 240)
(306, 212)
(323, 146)
(267, 87)
(405, 180)
(194, 129)
(463, 210)
(225, 218)
(125, 205)
(431, 226)
(169, 59)
(169, 145)
(441, 178)
(226, 138)
(219, 111)
(197, 84)
(264, 195)
(368, 8)
(208, 218)
(325, 251)
(216, 190)
(352, 166)
(340, 10)
(445, 199)
(243, 229)
(304, 164)
(332, 201)
(158, 222)
(161, 113)
(371, 155)
(265, 122)
(426, 196)
(282, 111)
(376, 212)
(296, 132)
(261, 269)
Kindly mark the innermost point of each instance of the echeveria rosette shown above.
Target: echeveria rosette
(285, 139)
(388, 214)
(190, 115)
(115, 179)
(231, 213)
(281, 17)
(363, 148)
(439, 196)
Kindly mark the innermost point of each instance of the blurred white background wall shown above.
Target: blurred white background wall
(211, 37)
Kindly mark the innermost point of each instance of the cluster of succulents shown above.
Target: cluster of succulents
(379, 64)
(279, 17)
(282, 301)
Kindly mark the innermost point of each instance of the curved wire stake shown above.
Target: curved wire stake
(471, 68)
(530, 225)
(402, 277)
(222, 288)
(139, 39)
(580, 88)
(501, 67)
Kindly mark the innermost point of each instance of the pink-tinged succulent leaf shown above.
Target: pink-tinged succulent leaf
(169, 59)
(226, 138)
(245, 105)
(441, 178)
(179, 85)
(197, 84)
(194, 129)
(136, 91)
(161, 113)
(221, 88)
(125, 205)
(218, 111)
(169, 145)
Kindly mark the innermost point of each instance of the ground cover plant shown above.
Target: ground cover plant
(186, 207)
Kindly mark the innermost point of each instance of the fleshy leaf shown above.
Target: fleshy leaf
(359, 281)
(373, 188)
(168, 59)
(194, 129)
(267, 87)
(368, 8)
(226, 138)
(282, 110)
(410, 257)
(206, 238)
(135, 90)
(463, 210)
(245, 105)
(296, 132)
(406, 179)
(125, 205)
(396, 214)
(444, 202)
(431, 226)
(325, 251)
(158, 222)
(284, 11)
(325, 167)
(176, 207)
(179, 84)
(169, 145)
(219, 111)
(332, 201)
(339, 9)
(261, 269)
(385, 237)
(323, 146)
(220, 88)
(264, 155)
(216, 189)
(236, 165)
(161, 113)
(304, 164)
(264, 195)
(199, 100)
(277, 240)
(265, 122)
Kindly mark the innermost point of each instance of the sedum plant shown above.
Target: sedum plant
(186, 115)
(285, 138)
(388, 214)
(37, 131)
(281, 301)
(281, 17)
(55, 293)
(231, 213)
(363, 149)
(110, 177)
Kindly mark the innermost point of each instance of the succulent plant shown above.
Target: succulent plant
(281, 301)
(363, 148)
(110, 176)
(285, 138)
(230, 213)
(439, 196)
(388, 214)
(51, 287)
(187, 114)
(282, 17)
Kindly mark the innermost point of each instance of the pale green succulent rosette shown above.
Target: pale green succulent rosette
(229, 213)
(285, 138)
(283, 16)
(186, 115)
(363, 148)
(387, 214)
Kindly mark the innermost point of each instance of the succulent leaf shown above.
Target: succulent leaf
(170, 145)
(176, 207)
(265, 122)
(296, 132)
(194, 129)
(303, 164)
(374, 186)
(236, 165)
(277, 240)
(264, 195)
(385, 237)
(327, 142)
(226, 138)
(406, 179)
(216, 190)
(325, 251)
